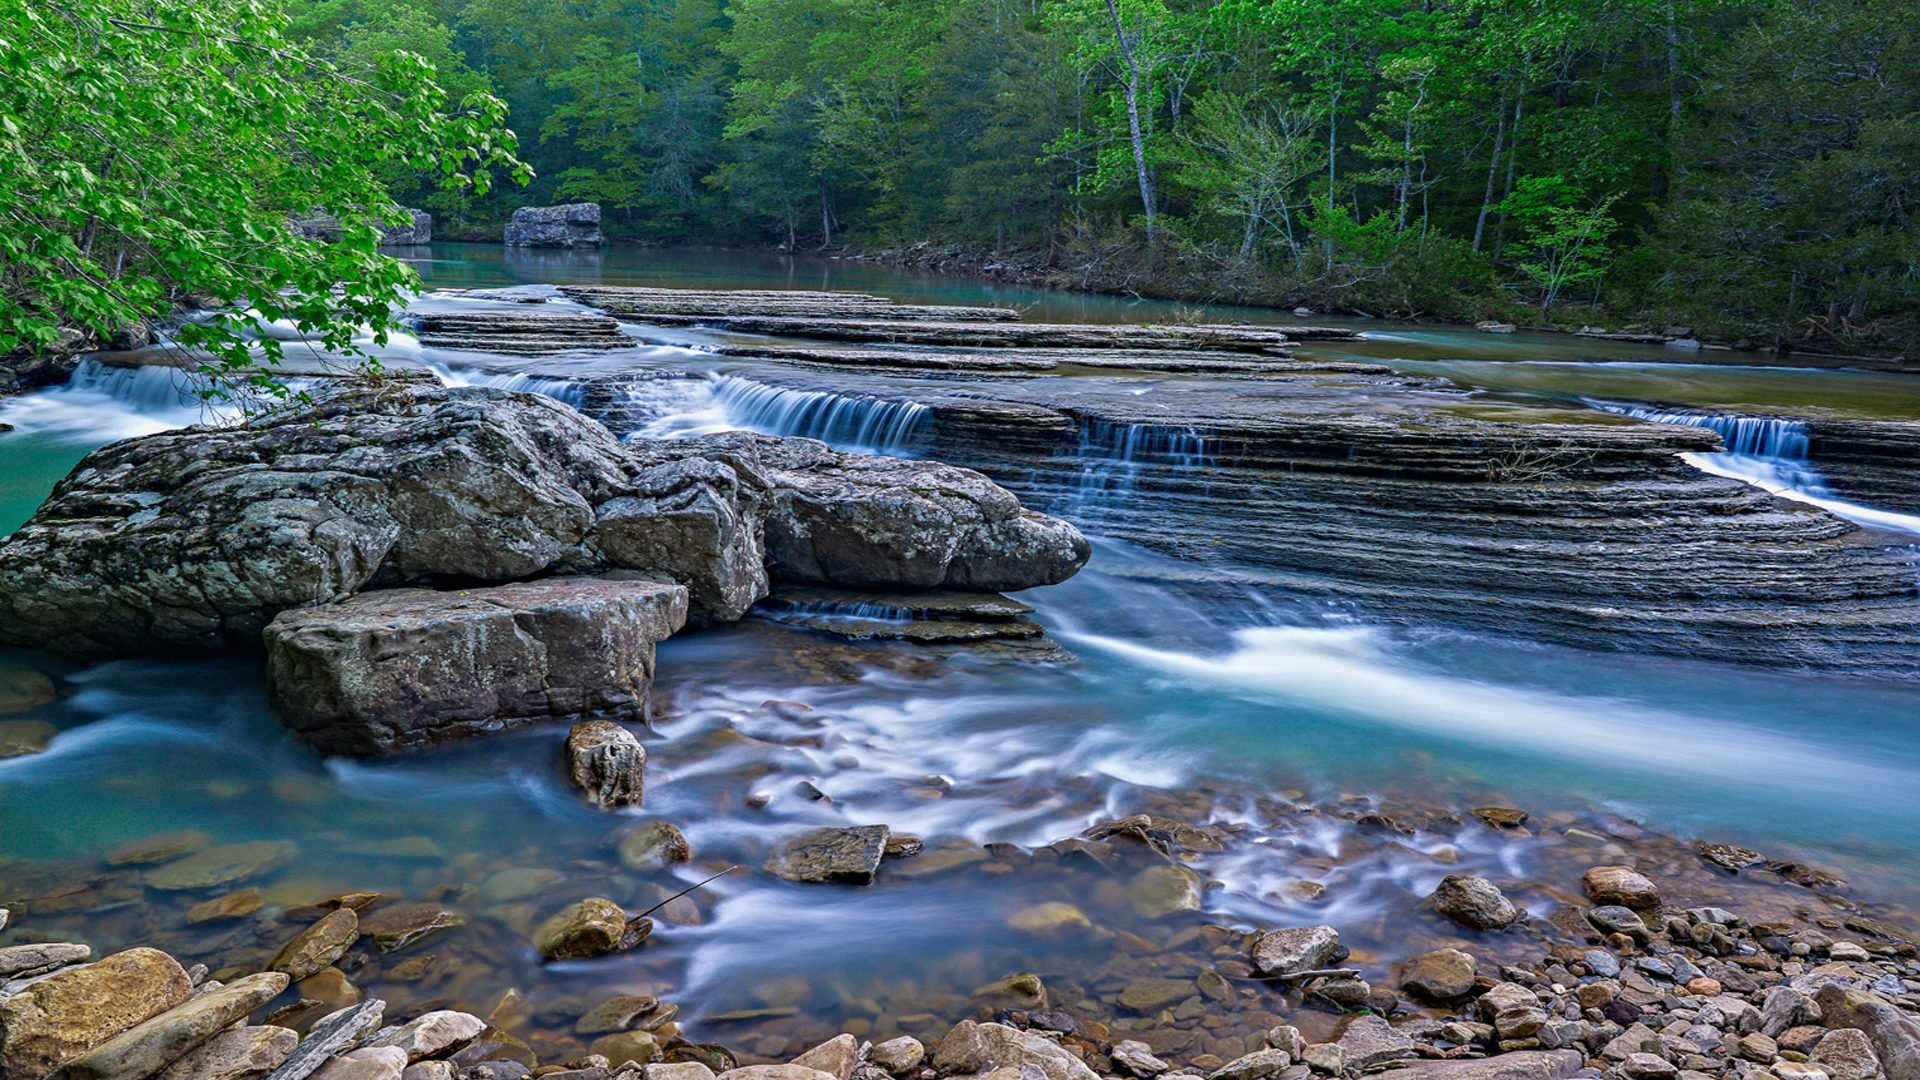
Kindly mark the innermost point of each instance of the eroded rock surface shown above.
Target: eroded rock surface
(402, 668)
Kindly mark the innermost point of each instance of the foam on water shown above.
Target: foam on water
(101, 403)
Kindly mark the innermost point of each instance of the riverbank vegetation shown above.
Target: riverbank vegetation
(1740, 166)
(154, 153)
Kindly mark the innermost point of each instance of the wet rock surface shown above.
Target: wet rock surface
(403, 668)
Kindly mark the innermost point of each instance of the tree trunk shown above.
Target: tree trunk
(1133, 117)
(1493, 172)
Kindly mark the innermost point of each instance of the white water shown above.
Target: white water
(1770, 452)
(846, 421)
(101, 404)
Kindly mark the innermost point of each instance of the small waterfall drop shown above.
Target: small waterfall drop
(1111, 457)
(1769, 452)
(570, 391)
(846, 421)
(102, 402)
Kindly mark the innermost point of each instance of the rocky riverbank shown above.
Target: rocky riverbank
(1630, 976)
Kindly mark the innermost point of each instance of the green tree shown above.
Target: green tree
(157, 148)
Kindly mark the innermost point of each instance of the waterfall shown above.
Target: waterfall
(847, 422)
(1112, 456)
(570, 391)
(1771, 453)
(1749, 436)
(100, 403)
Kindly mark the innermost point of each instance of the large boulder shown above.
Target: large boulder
(397, 669)
(67, 1014)
(193, 540)
(571, 225)
(869, 521)
(696, 521)
(417, 230)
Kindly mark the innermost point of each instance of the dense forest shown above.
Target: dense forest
(1743, 165)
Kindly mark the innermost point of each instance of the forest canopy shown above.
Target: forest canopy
(1743, 167)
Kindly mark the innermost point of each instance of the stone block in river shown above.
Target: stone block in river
(838, 856)
(566, 226)
(697, 522)
(1297, 949)
(595, 926)
(608, 763)
(405, 668)
(67, 1014)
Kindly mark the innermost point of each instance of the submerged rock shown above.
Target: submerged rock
(22, 689)
(840, 856)
(18, 738)
(405, 668)
(214, 867)
(319, 945)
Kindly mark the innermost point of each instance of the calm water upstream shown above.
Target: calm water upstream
(1265, 715)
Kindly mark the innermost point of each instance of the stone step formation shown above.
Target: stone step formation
(1403, 499)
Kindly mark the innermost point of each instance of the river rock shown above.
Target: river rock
(25, 961)
(1473, 902)
(567, 226)
(1517, 1065)
(368, 1063)
(1159, 891)
(1136, 1058)
(1258, 1065)
(18, 738)
(395, 926)
(159, 848)
(1620, 885)
(1152, 995)
(1022, 990)
(151, 1046)
(972, 1048)
(679, 1070)
(849, 856)
(1370, 1041)
(245, 1053)
(651, 845)
(233, 905)
(192, 541)
(897, 1056)
(836, 1057)
(608, 763)
(595, 926)
(1287, 952)
(1846, 1054)
(1895, 1034)
(417, 230)
(319, 945)
(695, 521)
(64, 1015)
(333, 1033)
(1439, 976)
(23, 689)
(218, 866)
(405, 668)
(432, 1034)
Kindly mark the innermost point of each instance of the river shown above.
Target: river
(1264, 716)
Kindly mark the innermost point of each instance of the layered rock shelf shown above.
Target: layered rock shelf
(515, 334)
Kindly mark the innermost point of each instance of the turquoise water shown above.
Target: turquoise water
(1239, 705)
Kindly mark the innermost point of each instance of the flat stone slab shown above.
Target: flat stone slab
(836, 856)
(405, 668)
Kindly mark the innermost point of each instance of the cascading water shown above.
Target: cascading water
(1111, 457)
(101, 402)
(570, 391)
(846, 421)
(1769, 452)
